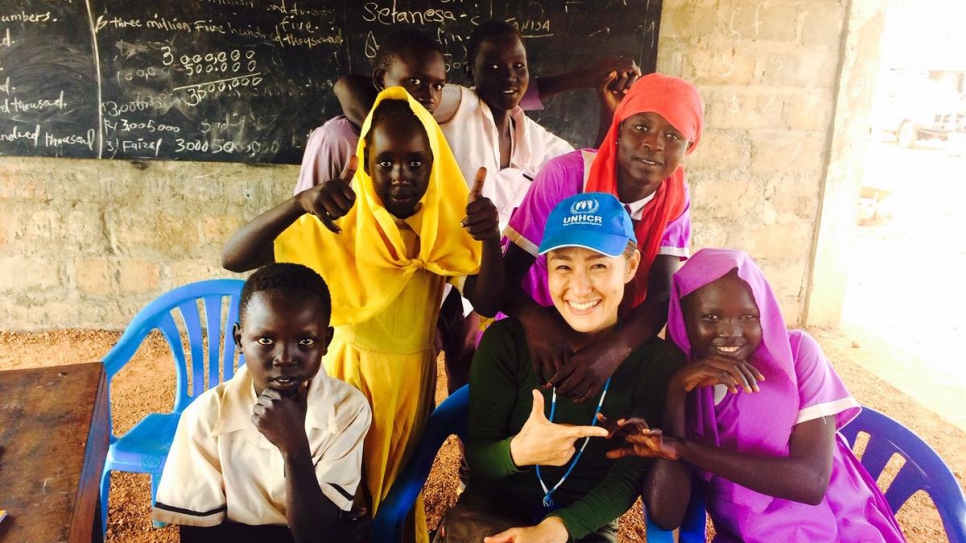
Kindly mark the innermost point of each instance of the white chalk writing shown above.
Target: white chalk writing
(24, 17)
(374, 13)
(86, 140)
(16, 134)
(16, 105)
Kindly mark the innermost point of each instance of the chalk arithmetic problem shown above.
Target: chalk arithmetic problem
(247, 80)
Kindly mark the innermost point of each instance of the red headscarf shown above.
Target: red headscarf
(679, 102)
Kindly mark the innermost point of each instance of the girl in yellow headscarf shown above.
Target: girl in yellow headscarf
(386, 238)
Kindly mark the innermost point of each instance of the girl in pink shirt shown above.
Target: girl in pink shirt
(763, 409)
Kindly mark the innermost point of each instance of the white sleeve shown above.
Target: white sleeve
(191, 491)
(338, 463)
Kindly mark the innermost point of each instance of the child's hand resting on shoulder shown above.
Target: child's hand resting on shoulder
(333, 199)
(482, 220)
(714, 370)
(281, 419)
(639, 438)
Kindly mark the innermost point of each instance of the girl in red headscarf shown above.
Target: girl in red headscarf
(658, 122)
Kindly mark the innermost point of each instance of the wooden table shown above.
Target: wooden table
(53, 440)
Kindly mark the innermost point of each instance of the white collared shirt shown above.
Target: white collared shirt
(471, 133)
(636, 209)
(220, 467)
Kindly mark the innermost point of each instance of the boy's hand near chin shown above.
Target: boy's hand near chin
(281, 419)
(482, 219)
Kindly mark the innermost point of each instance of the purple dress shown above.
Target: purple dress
(800, 385)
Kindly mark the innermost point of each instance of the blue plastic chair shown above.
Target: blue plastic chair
(198, 307)
(924, 469)
(450, 417)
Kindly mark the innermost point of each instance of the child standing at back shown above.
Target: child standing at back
(386, 244)
(407, 58)
(274, 453)
(763, 406)
(486, 125)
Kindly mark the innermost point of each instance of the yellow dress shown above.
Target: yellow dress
(386, 278)
(390, 359)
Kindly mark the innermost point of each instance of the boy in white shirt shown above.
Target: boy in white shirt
(275, 451)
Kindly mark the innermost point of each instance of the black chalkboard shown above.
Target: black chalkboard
(247, 80)
(48, 80)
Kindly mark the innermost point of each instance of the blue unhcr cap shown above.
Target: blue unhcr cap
(593, 220)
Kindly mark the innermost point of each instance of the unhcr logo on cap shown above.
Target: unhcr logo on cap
(584, 212)
(593, 220)
(585, 207)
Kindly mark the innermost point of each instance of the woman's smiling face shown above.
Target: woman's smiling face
(587, 286)
(722, 319)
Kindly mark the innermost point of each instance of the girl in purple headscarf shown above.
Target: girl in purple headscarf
(763, 407)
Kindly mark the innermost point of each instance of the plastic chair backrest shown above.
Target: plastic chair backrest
(923, 470)
(450, 417)
(208, 326)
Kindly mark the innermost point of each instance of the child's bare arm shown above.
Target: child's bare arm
(588, 76)
(311, 515)
(667, 485)
(356, 95)
(802, 476)
(252, 245)
(484, 290)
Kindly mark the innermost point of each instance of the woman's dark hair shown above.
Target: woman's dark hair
(489, 29)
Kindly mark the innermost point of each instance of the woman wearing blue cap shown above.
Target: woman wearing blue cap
(538, 466)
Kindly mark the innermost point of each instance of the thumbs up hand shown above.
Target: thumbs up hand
(333, 199)
(541, 442)
(482, 220)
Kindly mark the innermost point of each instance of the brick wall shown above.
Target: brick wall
(87, 243)
(768, 71)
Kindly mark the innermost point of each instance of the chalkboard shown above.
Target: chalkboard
(48, 80)
(247, 80)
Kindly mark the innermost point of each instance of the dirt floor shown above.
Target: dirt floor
(145, 385)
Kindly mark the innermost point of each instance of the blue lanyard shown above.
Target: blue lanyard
(547, 500)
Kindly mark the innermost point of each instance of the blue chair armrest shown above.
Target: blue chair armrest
(450, 417)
